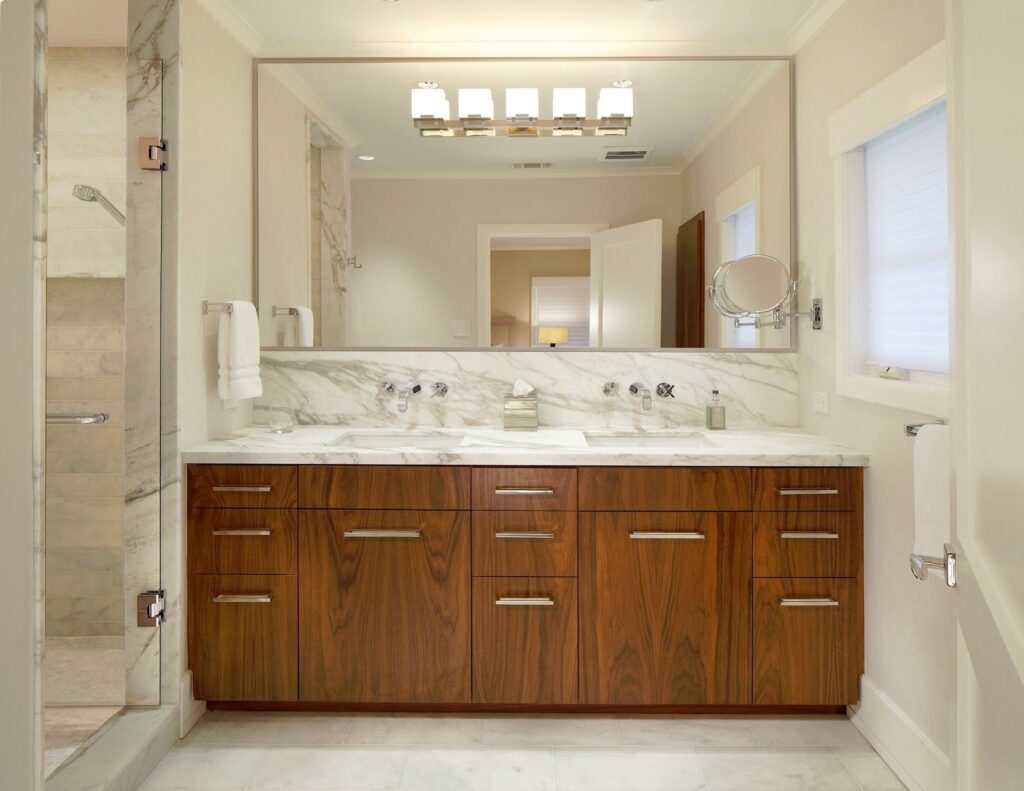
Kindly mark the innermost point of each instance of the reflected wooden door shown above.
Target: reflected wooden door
(690, 284)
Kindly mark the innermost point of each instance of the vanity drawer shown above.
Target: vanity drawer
(241, 486)
(358, 487)
(524, 543)
(664, 489)
(524, 488)
(807, 544)
(808, 488)
(242, 541)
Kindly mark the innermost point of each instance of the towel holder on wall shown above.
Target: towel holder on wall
(216, 307)
(911, 429)
(276, 311)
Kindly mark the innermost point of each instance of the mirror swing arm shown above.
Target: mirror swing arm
(774, 316)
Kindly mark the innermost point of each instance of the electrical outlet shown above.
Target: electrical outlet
(460, 328)
(821, 402)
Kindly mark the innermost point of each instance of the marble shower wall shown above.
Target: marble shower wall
(340, 387)
(335, 245)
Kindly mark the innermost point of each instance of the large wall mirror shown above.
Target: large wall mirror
(517, 204)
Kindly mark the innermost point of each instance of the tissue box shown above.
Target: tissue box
(520, 413)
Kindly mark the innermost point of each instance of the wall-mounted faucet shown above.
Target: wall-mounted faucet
(665, 390)
(410, 389)
(641, 392)
(610, 389)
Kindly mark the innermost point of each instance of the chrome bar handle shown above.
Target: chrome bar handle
(382, 533)
(242, 598)
(264, 488)
(246, 532)
(534, 534)
(808, 603)
(815, 534)
(800, 492)
(645, 535)
(542, 491)
(525, 601)
(78, 420)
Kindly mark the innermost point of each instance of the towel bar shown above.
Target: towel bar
(911, 429)
(276, 311)
(919, 565)
(216, 307)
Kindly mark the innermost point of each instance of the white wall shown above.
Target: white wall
(910, 635)
(416, 241)
(216, 212)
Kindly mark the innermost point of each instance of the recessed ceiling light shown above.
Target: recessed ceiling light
(427, 84)
(369, 157)
(622, 83)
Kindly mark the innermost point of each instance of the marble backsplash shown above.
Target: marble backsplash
(340, 387)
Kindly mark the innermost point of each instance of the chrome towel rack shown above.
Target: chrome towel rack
(911, 429)
(77, 420)
(276, 311)
(216, 307)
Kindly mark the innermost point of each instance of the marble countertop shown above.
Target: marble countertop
(547, 446)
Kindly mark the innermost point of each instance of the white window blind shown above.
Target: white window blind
(742, 227)
(907, 245)
(562, 302)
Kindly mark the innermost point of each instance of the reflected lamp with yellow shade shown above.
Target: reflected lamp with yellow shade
(552, 336)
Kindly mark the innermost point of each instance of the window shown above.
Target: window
(561, 302)
(740, 239)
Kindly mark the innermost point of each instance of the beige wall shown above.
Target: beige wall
(511, 274)
(416, 241)
(216, 215)
(909, 626)
(758, 137)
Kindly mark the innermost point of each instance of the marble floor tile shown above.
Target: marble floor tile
(243, 727)
(739, 769)
(67, 729)
(553, 731)
(807, 731)
(450, 730)
(624, 769)
(870, 771)
(480, 769)
(331, 768)
(206, 768)
(702, 731)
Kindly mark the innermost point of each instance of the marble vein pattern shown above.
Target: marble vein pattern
(335, 244)
(340, 387)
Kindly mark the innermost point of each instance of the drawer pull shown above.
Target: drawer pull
(816, 534)
(246, 532)
(263, 488)
(672, 536)
(535, 534)
(242, 598)
(525, 601)
(809, 603)
(382, 533)
(803, 492)
(535, 491)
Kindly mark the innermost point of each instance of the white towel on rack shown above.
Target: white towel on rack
(238, 353)
(932, 503)
(304, 320)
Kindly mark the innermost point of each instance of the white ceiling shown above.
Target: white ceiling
(87, 23)
(674, 102)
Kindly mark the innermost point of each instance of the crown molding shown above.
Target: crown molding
(237, 25)
(807, 27)
(483, 175)
(318, 109)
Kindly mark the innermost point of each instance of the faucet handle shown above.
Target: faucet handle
(385, 389)
(440, 390)
(610, 388)
(413, 387)
(664, 390)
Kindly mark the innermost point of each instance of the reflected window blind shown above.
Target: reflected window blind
(907, 245)
(562, 302)
(743, 228)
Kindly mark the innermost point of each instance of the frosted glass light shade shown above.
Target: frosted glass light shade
(552, 335)
(523, 102)
(615, 101)
(476, 102)
(569, 102)
(429, 103)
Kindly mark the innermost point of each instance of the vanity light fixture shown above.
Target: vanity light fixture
(569, 107)
(615, 111)
(476, 111)
(431, 112)
(522, 110)
(622, 83)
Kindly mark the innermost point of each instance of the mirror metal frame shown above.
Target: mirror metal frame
(790, 60)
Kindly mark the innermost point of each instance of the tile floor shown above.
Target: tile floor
(236, 751)
(67, 728)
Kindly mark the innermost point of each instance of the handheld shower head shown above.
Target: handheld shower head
(92, 195)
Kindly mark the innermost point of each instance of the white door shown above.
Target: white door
(988, 425)
(625, 287)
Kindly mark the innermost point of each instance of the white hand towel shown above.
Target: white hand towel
(238, 353)
(932, 503)
(304, 319)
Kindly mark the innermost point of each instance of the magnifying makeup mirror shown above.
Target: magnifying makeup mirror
(757, 291)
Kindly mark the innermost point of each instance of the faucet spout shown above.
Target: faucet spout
(641, 392)
(410, 389)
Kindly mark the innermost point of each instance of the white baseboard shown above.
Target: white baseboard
(915, 758)
(192, 710)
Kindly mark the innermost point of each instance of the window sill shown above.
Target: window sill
(924, 399)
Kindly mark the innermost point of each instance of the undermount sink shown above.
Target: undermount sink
(689, 439)
(383, 440)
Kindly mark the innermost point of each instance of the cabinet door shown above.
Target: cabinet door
(665, 608)
(524, 640)
(384, 606)
(806, 641)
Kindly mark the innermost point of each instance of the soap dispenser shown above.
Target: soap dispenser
(714, 412)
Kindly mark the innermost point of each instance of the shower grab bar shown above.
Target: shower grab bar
(78, 420)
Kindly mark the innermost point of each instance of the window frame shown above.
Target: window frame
(743, 192)
(916, 87)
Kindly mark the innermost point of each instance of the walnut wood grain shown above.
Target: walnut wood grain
(243, 651)
(664, 621)
(384, 619)
(806, 655)
(524, 654)
(242, 541)
(495, 488)
(772, 483)
(799, 544)
(240, 485)
(380, 487)
(524, 551)
(664, 489)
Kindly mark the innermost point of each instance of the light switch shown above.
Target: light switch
(460, 328)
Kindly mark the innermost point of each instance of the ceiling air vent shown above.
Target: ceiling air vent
(531, 165)
(625, 154)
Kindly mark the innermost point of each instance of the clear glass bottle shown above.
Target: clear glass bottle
(714, 412)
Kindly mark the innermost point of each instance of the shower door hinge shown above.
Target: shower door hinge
(150, 608)
(152, 153)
